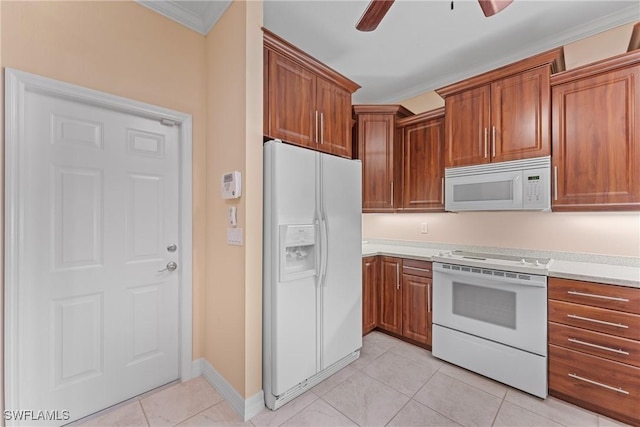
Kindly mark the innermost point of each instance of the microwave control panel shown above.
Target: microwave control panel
(536, 191)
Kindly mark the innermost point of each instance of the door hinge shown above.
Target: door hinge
(168, 122)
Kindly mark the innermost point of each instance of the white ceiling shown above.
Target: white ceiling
(423, 45)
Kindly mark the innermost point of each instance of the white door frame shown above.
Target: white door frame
(16, 84)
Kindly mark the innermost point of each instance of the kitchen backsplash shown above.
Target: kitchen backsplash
(614, 234)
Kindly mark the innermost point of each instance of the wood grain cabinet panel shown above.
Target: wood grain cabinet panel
(501, 115)
(596, 134)
(594, 347)
(292, 101)
(605, 386)
(379, 149)
(467, 123)
(370, 284)
(416, 304)
(306, 103)
(422, 187)
(390, 315)
(334, 108)
(520, 116)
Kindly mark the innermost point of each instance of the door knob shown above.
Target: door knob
(170, 267)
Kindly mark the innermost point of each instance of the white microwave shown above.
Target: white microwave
(504, 186)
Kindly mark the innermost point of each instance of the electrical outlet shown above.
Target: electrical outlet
(424, 228)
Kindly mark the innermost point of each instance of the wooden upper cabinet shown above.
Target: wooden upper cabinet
(467, 123)
(501, 115)
(292, 101)
(596, 136)
(423, 161)
(334, 109)
(520, 116)
(306, 103)
(379, 150)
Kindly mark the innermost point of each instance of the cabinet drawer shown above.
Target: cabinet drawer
(604, 296)
(416, 268)
(612, 322)
(603, 345)
(611, 386)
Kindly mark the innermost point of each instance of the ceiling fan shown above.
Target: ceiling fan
(378, 8)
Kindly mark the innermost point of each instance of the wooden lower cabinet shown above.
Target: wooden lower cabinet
(416, 301)
(390, 316)
(400, 292)
(594, 347)
(370, 283)
(598, 384)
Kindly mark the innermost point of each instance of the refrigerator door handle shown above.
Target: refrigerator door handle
(324, 247)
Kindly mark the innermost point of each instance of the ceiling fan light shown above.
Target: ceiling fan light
(491, 7)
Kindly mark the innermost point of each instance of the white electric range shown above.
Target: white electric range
(490, 316)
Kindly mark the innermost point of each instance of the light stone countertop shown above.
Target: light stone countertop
(623, 271)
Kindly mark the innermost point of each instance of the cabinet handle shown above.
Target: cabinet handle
(608, 387)
(321, 128)
(428, 298)
(602, 322)
(398, 276)
(493, 141)
(555, 183)
(392, 194)
(426, 270)
(588, 344)
(598, 296)
(486, 135)
(316, 141)
(442, 195)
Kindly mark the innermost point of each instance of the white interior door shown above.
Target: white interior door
(97, 322)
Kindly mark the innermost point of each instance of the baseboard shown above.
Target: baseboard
(196, 367)
(246, 408)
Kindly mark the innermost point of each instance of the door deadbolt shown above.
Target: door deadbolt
(172, 247)
(170, 267)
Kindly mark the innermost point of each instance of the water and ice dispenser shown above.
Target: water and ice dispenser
(297, 251)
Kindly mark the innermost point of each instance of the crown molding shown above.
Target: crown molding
(176, 11)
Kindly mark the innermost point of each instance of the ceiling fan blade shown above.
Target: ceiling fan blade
(374, 14)
(491, 7)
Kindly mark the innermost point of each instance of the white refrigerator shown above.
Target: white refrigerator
(312, 274)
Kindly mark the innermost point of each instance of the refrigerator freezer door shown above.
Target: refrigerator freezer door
(290, 349)
(341, 286)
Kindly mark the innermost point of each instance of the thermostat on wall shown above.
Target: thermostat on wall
(231, 185)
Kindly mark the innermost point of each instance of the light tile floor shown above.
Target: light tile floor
(392, 384)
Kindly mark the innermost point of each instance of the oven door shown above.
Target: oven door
(508, 308)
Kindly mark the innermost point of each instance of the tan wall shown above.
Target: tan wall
(600, 233)
(232, 341)
(127, 50)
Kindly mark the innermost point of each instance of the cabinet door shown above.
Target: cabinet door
(595, 142)
(334, 108)
(390, 295)
(416, 307)
(292, 101)
(520, 116)
(423, 166)
(375, 150)
(467, 122)
(369, 293)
